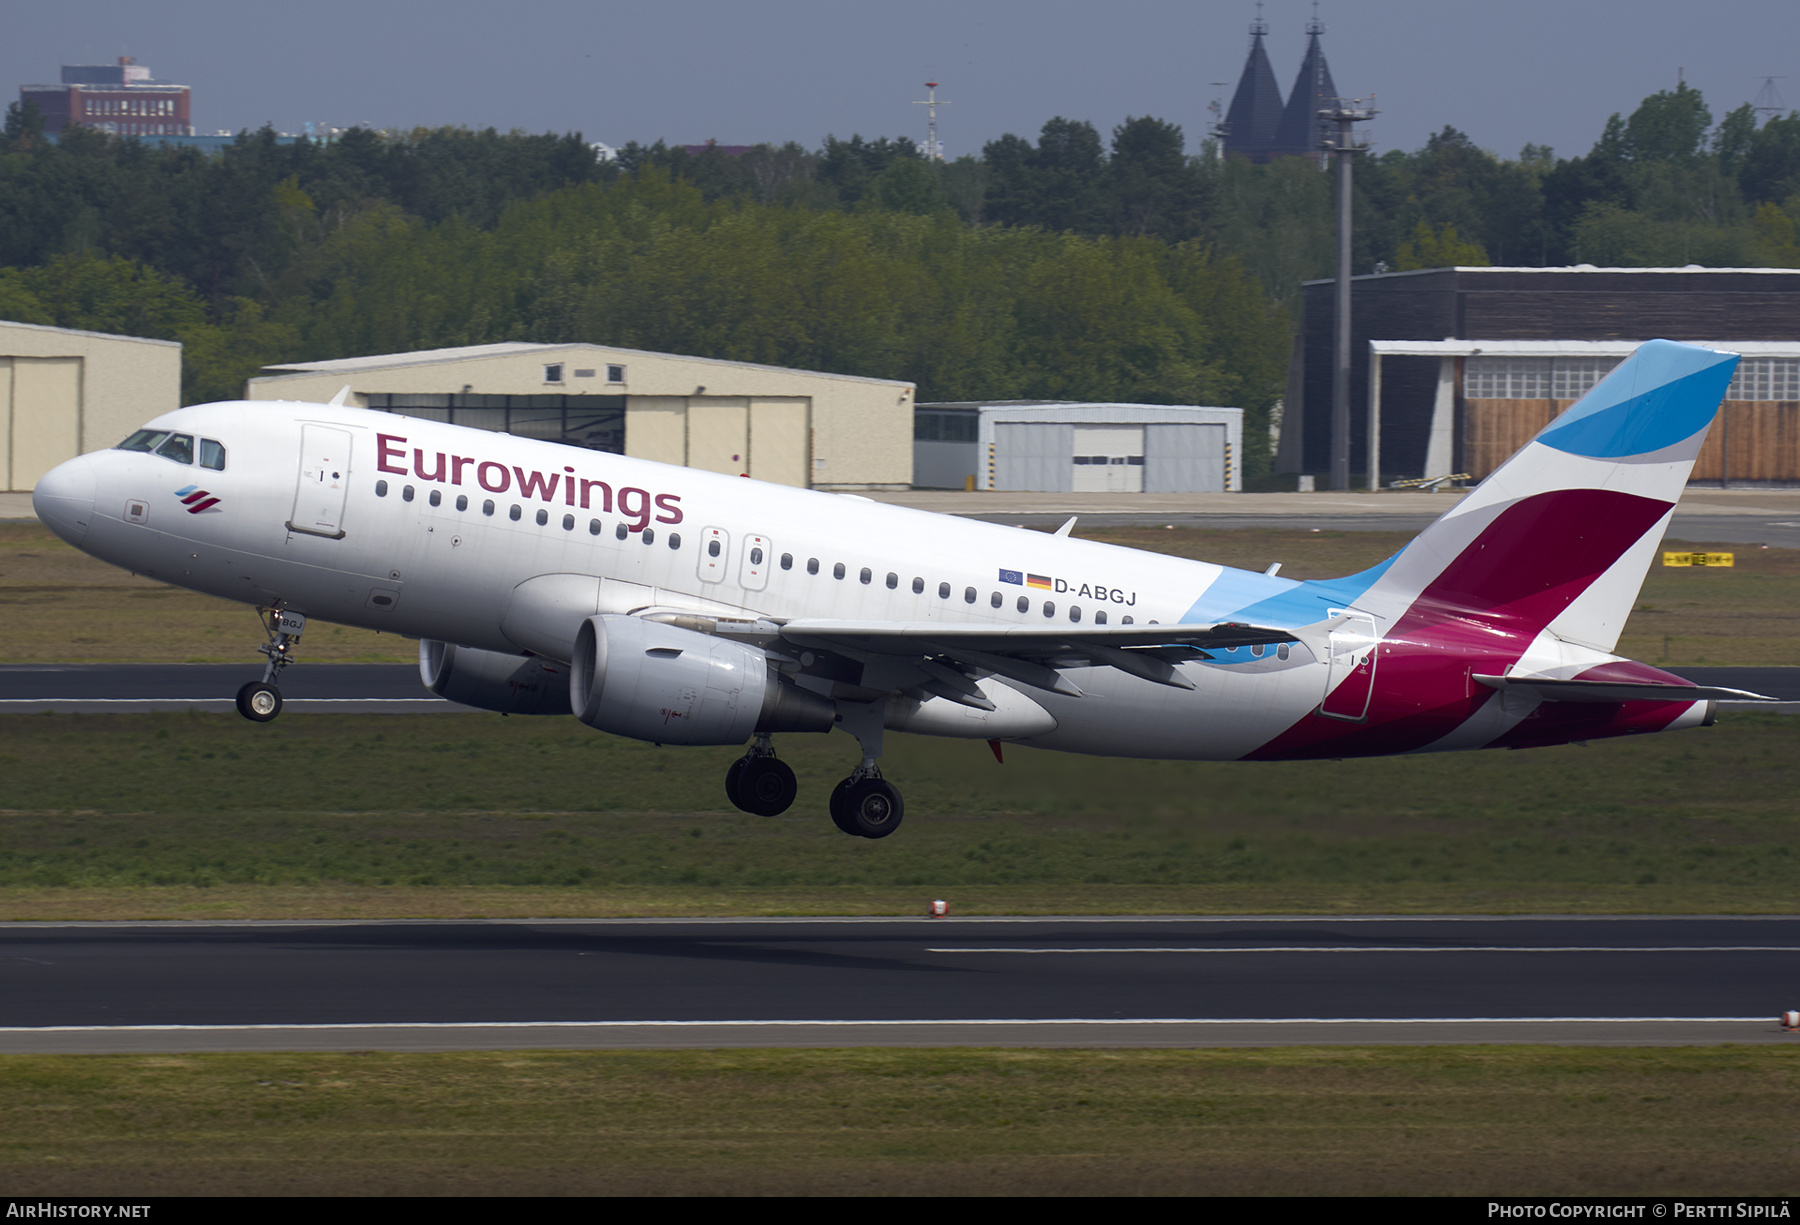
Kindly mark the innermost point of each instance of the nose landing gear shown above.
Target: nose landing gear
(260, 701)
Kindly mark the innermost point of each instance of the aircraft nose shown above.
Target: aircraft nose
(64, 498)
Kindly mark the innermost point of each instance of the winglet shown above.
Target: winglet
(1065, 528)
(343, 394)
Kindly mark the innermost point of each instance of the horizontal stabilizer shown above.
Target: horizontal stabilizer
(1551, 690)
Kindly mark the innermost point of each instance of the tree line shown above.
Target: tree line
(1061, 267)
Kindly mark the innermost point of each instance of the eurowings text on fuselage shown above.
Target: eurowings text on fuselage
(687, 607)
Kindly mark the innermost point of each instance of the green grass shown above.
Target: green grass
(129, 816)
(1298, 1121)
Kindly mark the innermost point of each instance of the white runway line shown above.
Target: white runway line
(793, 1024)
(1409, 948)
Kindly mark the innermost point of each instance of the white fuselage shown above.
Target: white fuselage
(413, 568)
(429, 531)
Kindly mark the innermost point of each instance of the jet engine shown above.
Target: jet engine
(510, 684)
(658, 682)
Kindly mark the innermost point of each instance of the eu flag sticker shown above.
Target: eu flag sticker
(1015, 577)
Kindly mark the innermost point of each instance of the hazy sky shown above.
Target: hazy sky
(1505, 71)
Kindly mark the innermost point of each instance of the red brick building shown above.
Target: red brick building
(119, 98)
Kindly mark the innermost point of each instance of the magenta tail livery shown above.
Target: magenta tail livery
(685, 607)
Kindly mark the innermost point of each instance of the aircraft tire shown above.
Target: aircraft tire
(872, 809)
(837, 806)
(259, 701)
(766, 787)
(731, 782)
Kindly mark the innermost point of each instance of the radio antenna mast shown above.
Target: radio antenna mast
(934, 152)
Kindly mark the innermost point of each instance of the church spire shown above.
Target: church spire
(1251, 123)
(1301, 131)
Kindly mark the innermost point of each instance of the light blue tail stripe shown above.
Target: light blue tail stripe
(1664, 393)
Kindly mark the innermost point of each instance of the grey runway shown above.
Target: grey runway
(1075, 981)
(320, 688)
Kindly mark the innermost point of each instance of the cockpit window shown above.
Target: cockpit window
(178, 447)
(212, 455)
(143, 440)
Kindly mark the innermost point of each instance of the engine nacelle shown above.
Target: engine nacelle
(658, 682)
(510, 684)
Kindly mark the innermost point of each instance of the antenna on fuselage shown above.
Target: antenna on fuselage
(337, 401)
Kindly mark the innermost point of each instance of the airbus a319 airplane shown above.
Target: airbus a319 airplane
(685, 607)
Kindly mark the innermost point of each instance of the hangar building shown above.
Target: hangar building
(791, 427)
(1066, 447)
(63, 392)
(1465, 364)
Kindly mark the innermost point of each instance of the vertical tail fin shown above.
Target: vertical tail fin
(1560, 536)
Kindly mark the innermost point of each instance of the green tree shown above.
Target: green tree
(1439, 247)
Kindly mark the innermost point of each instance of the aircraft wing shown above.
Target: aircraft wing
(946, 651)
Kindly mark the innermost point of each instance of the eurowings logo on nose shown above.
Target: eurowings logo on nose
(196, 499)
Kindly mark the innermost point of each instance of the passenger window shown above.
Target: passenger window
(437, 498)
(406, 495)
(968, 595)
(1100, 617)
(674, 540)
(620, 531)
(712, 548)
(179, 447)
(893, 580)
(1049, 608)
(1281, 652)
(649, 535)
(543, 517)
(212, 455)
(943, 591)
(144, 440)
(513, 514)
(812, 565)
(996, 599)
(1024, 604)
(756, 556)
(487, 507)
(918, 586)
(866, 575)
(381, 489)
(593, 527)
(568, 523)
(1074, 612)
(1126, 621)
(462, 501)
(837, 571)
(787, 560)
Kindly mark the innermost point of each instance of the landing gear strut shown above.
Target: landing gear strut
(866, 805)
(260, 701)
(759, 782)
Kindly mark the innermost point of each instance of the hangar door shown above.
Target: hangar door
(1184, 459)
(1034, 455)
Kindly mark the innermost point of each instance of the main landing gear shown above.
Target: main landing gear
(759, 782)
(864, 805)
(260, 701)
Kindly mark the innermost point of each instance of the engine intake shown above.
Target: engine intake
(658, 682)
